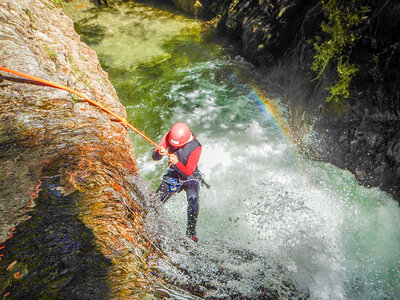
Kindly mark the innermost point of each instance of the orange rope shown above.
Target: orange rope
(62, 87)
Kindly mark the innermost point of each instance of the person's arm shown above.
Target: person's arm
(157, 154)
(191, 163)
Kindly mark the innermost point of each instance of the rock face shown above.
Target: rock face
(71, 214)
(362, 133)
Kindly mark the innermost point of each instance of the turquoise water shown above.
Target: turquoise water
(338, 239)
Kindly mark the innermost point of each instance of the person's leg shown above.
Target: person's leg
(192, 192)
(164, 192)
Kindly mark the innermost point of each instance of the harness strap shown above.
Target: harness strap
(181, 182)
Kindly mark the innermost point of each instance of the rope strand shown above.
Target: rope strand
(39, 81)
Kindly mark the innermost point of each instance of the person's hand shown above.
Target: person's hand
(173, 159)
(162, 151)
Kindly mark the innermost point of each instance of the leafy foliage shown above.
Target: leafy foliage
(339, 34)
(340, 90)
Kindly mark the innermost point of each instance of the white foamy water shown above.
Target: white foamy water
(268, 200)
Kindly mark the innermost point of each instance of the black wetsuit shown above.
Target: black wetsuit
(188, 183)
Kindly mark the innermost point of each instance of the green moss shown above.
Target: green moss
(58, 3)
(339, 34)
(48, 4)
(338, 108)
(52, 54)
(80, 74)
(29, 14)
(75, 98)
(54, 3)
(73, 66)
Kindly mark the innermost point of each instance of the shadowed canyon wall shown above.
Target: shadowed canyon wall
(71, 218)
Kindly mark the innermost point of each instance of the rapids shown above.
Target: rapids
(272, 216)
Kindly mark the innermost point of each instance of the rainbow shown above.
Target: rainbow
(270, 110)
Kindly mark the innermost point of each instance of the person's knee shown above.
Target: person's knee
(193, 189)
(163, 192)
(193, 200)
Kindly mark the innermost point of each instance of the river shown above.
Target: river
(333, 238)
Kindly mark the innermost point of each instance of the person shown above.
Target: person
(183, 150)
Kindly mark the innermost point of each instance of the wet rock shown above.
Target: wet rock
(70, 217)
(217, 270)
(193, 7)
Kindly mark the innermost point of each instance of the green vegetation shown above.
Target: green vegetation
(51, 53)
(340, 90)
(232, 6)
(58, 3)
(29, 14)
(54, 3)
(73, 66)
(75, 98)
(340, 34)
(82, 75)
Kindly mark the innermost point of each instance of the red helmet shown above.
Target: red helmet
(179, 135)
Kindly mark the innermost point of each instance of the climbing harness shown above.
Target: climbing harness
(173, 183)
(38, 81)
